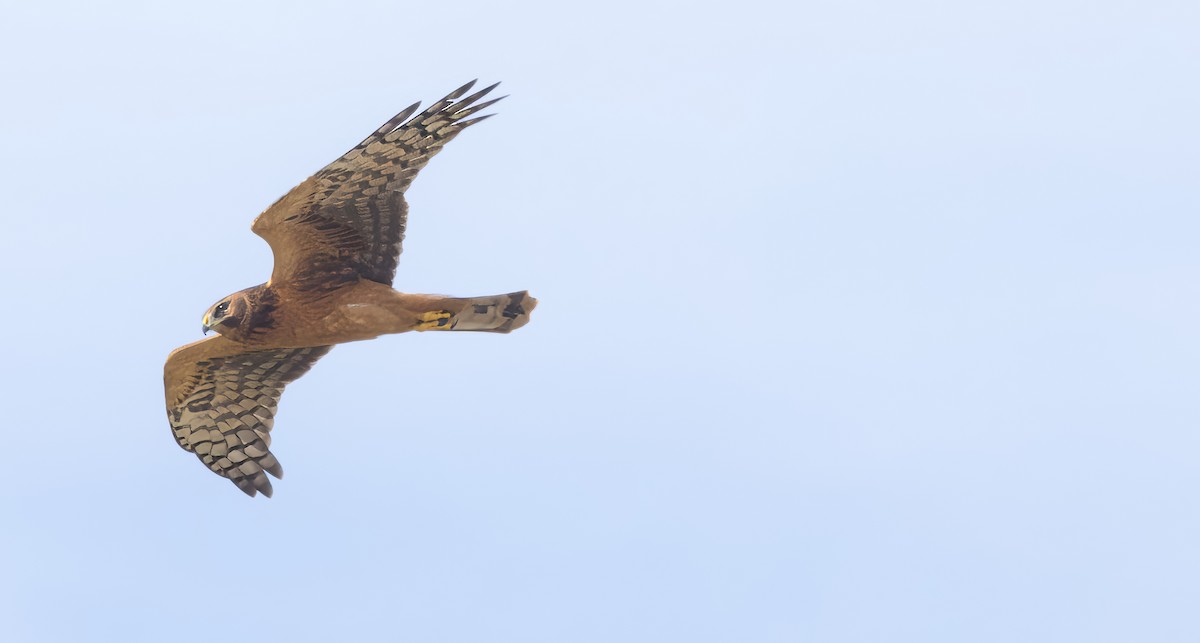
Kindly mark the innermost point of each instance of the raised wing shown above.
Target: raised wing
(347, 221)
(221, 403)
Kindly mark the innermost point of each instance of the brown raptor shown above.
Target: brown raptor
(336, 239)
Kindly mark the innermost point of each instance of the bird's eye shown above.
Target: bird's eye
(221, 308)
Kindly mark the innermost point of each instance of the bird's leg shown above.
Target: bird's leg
(434, 320)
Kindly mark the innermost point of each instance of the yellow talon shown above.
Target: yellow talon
(434, 320)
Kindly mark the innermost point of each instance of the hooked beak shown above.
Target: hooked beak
(206, 327)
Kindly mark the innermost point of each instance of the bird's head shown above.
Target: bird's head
(240, 314)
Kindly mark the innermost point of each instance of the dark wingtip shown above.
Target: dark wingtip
(261, 483)
(405, 113)
(472, 121)
(489, 103)
(477, 95)
(461, 90)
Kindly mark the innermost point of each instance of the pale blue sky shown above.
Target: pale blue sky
(860, 321)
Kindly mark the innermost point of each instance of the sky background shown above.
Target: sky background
(859, 321)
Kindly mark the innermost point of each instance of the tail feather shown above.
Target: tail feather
(494, 314)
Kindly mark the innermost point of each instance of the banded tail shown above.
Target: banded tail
(494, 314)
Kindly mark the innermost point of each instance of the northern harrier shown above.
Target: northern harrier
(336, 241)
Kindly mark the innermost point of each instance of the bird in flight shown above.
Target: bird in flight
(336, 240)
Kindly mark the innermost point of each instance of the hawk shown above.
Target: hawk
(336, 239)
